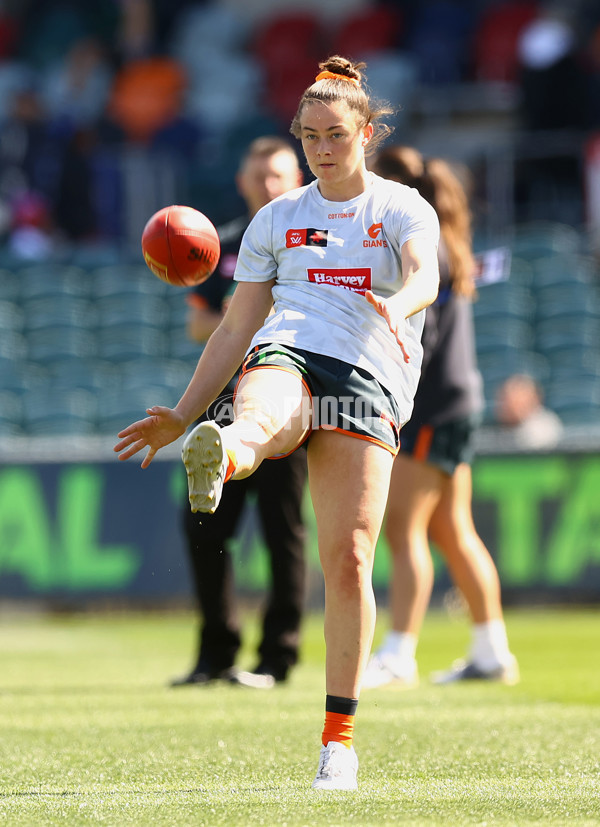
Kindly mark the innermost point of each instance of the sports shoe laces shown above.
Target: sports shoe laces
(325, 763)
(328, 767)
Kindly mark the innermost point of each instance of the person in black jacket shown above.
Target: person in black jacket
(430, 491)
(268, 169)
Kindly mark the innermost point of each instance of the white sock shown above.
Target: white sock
(489, 646)
(401, 645)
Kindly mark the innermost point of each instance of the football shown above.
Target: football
(181, 246)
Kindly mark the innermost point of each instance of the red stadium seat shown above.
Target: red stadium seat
(284, 88)
(368, 30)
(287, 35)
(495, 45)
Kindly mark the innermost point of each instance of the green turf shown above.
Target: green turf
(90, 734)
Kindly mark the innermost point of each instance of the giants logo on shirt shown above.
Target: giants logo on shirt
(352, 278)
(306, 238)
(374, 240)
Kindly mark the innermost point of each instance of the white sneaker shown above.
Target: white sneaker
(338, 766)
(463, 670)
(384, 669)
(206, 462)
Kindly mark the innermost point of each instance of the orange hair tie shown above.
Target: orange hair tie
(327, 75)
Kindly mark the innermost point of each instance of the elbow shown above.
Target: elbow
(434, 290)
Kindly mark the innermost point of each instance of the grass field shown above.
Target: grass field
(90, 733)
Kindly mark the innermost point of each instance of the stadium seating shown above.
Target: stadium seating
(92, 374)
(178, 309)
(11, 413)
(42, 280)
(218, 99)
(576, 401)
(141, 309)
(125, 279)
(65, 342)
(439, 39)
(122, 342)
(202, 30)
(503, 331)
(286, 34)
(117, 332)
(10, 286)
(13, 348)
(121, 407)
(392, 77)
(11, 315)
(171, 374)
(505, 298)
(369, 30)
(539, 239)
(283, 89)
(496, 38)
(58, 310)
(50, 412)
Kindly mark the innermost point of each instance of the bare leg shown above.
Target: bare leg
(471, 566)
(415, 491)
(349, 479)
(475, 574)
(272, 416)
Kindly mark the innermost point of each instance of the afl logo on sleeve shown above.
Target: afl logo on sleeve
(308, 237)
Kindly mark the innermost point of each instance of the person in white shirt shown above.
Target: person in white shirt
(333, 281)
(521, 417)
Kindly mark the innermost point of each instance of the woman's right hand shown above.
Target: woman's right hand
(396, 321)
(161, 427)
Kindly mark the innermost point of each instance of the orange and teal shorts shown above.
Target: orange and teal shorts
(445, 446)
(344, 398)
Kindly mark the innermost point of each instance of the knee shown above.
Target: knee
(350, 568)
(255, 416)
(406, 540)
(395, 530)
(456, 540)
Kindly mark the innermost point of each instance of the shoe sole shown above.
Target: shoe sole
(322, 785)
(508, 678)
(511, 681)
(203, 455)
(254, 680)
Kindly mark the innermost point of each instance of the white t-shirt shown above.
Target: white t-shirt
(324, 256)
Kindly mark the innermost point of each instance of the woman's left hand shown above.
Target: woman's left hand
(395, 320)
(161, 427)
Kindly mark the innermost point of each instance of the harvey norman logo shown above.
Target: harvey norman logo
(374, 239)
(352, 278)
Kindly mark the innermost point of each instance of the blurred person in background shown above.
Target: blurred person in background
(268, 169)
(554, 100)
(29, 149)
(431, 487)
(524, 420)
(75, 87)
(32, 234)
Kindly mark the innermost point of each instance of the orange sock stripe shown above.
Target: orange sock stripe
(339, 728)
(232, 464)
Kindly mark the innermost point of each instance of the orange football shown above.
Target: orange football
(181, 246)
